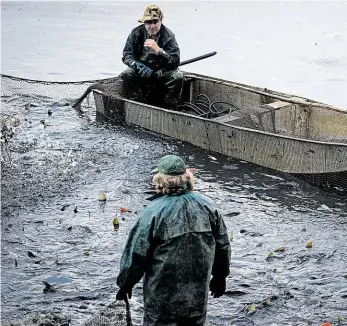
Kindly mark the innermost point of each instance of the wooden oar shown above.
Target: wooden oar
(76, 105)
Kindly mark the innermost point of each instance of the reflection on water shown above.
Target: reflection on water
(50, 208)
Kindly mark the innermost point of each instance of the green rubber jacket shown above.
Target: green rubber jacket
(176, 244)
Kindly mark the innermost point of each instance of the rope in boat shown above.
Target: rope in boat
(204, 107)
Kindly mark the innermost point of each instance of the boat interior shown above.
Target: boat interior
(262, 109)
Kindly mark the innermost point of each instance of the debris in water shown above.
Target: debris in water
(102, 196)
(49, 112)
(280, 249)
(116, 223)
(86, 252)
(63, 208)
(15, 262)
(251, 309)
(267, 303)
(326, 324)
(232, 214)
(69, 228)
(123, 210)
(48, 287)
(309, 244)
(31, 255)
(211, 157)
(44, 123)
(269, 256)
(75, 210)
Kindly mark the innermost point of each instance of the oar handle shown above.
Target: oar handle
(207, 55)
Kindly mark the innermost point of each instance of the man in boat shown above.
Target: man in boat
(179, 241)
(152, 56)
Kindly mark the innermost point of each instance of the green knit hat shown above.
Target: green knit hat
(172, 165)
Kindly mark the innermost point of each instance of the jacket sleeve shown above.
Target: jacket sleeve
(137, 253)
(129, 50)
(223, 252)
(171, 56)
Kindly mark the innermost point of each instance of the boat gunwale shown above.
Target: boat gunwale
(266, 92)
(221, 123)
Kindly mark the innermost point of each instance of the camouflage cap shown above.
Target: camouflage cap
(172, 165)
(152, 12)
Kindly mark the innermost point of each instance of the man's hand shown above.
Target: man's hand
(142, 69)
(217, 287)
(153, 45)
(123, 295)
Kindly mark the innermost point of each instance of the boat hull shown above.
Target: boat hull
(318, 162)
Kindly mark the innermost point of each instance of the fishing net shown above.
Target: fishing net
(58, 91)
(80, 96)
(64, 93)
(116, 314)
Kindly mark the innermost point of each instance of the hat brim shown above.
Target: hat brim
(146, 18)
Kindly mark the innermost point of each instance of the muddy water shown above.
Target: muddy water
(50, 204)
(50, 207)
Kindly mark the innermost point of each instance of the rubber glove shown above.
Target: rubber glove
(217, 286)
(142, 69)
(122, 294)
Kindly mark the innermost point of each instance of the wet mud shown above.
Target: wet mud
(61, 252)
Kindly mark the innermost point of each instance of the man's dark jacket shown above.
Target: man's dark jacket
(166, 40)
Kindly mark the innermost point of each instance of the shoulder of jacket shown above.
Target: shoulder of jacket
(137, 29)
(168, 32)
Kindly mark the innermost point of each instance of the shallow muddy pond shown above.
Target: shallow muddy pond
(54, 229)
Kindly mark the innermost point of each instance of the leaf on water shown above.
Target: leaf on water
(309, 244)
(102, 196)
(123, 210)
(269, 256)
(116, 223)
(339, 318)
(326, 324)
(280, 249)
(31, 255)
(86, 252)
(251, 308)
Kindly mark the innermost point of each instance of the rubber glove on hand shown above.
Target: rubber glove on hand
(217, 287)
(142, 69)
(123, 295)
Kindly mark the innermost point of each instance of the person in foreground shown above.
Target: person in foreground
(178, 242)
(152, 56)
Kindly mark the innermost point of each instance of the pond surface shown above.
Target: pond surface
(54, 229)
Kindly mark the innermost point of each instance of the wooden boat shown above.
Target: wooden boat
(276, 130)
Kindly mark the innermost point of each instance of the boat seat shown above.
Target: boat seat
(276, 105)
